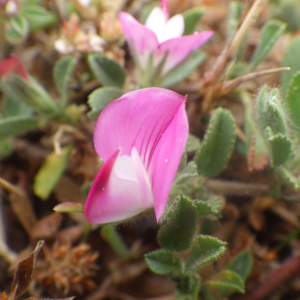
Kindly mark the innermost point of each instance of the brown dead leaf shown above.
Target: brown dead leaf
(23, 275)
(46, 227)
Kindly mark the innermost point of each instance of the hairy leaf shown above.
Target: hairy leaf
(107, 71)
(271, 31)
(163, 262)
(179, 226)
(205, 249)
(217, 146)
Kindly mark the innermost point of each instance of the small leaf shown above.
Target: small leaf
(191, 18)
(23, 275)
(189, 171)
(206, 209)
(163, 262)
(270, 112)
(280, 147)
(6, 147)
(30, 93)
(205, 249)
(50, 172)
(188, 288)
(107, 71)
(193, 143)
(69, 207)
(62, 73)
(235, 11)
(227, 283)
(290, 60)
(286, 177)
(38, 17)
(216, 148)
(179, 226)
(112, 237)
(13, 108)
(292, 101)
(17, 125)
(101, 97)
(184, 69)
(271, 31)
(16, 29)
(241, 264)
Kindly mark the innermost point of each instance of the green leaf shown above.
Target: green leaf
(163, 262)
(101, 97)
(16, 29)
(189, 171)
(210, 208)
(30, 93)
(184, 69)
(193, 143)
(271, 31)
(292, 102)
(280, 147)
(107, 71)
(13, 108)
(205, 249)
(291, 60)
(188, 288)
(227, 283)
(179, 226)
(286, 177)
(6, 147)
(50, 172)
(191, 18)
(111, 236)
(62, 74)
(270, 112)
(38, 17)
(217, 146)
(235, 11)
(241, 264)
(17, 125)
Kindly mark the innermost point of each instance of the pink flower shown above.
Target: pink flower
(161, 38)
(141, 137)
(12, 65)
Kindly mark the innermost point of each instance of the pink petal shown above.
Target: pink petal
(12, 65)
(142, 39)
(165, 8)
(166, 159)
(179, 48)
(116, 194)
(137, 119)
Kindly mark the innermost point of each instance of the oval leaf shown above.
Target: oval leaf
(50, 172)
(216, 148)
(62, 73)
(101, 97)
(179, 226)
(107, 71)
(205, 249)
(17, 125)
(163, 262)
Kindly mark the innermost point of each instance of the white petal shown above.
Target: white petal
(157, 21)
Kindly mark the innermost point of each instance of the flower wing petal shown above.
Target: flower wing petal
(115, 193)
(166, 159)
(137, 119)
(138, 36)
(178, 49)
